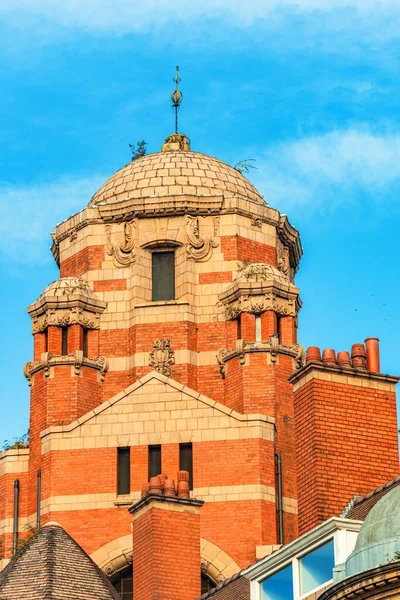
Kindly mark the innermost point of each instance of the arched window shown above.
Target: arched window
(123, 583)
(206, 584)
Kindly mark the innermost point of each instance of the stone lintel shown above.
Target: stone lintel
(319, 370)
(159, 501)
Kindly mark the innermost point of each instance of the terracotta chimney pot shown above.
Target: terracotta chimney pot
(343, 359)
(372, 348)
(329, 356)
(313, 354)
(358, 360)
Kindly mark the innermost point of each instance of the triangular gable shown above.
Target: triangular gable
(170, 405)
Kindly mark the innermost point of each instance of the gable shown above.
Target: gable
(156, 410)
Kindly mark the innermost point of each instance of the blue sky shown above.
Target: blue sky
(309, 90)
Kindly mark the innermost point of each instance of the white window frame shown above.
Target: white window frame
(344, 534)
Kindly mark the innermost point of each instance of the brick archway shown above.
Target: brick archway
(215, 563)
(117, 555)
(114, 556)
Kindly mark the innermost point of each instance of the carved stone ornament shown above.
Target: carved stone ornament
(272, 346)
(162, 357)
(200, 248)
(262, 272)
(76, 359)
(260, 303)
(64, 317)
(66, 301)
(283, 260)
(256, 222)
(122, 252)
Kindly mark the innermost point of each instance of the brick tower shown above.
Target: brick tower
(169, 342)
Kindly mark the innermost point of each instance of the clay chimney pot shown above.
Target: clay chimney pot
(313, 354)
(343, 359)
(372, 351)
(329, 356)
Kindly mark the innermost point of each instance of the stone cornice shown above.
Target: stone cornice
(260, 296)
(270, 346)
(46, 303)
(172, 501)
(77, 360)
(160, 206)
(385, 580)
(320, 367)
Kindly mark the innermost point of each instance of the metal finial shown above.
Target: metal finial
(176, 97)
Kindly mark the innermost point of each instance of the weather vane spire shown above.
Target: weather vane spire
(176, 97)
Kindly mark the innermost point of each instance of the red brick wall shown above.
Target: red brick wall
(166, 555)
(88, 259)
(235, 247)
(346, 444)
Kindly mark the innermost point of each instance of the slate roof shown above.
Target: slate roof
(360, 506)
(236, 587)
(52, 566)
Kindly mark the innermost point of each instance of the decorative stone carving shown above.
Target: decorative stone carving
(200, 248)
(256, 222)
(203, 565)
(76, 359)
(122, 252)
(176, 142)
(283, 260)
(61, 318)
(66, 301)
(260, 303)
(262, 272)
(272, 346)
(162, 357)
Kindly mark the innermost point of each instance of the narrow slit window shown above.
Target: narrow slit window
(278, 327)
(85, 342)
(124, 471)
(64, 341)
(186, 461)
(163, 276)
(258, 328)
(239, 328)
(154, 461)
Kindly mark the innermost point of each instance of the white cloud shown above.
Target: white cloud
(330, 170)
(123, 16)
(29, 213)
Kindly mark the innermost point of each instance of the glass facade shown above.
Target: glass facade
(316, 567)
(278, 586)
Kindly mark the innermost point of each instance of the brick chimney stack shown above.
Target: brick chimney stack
(166, 541)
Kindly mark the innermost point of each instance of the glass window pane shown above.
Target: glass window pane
(124, 466)
(278, 586)
(154, 461)
(316, 567)
(163, 275)
(186, 461)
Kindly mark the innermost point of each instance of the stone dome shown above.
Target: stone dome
(172, 173)
(379, 539)
(68, 286)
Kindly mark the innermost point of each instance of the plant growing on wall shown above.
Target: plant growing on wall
(138, 150)
(16, 443)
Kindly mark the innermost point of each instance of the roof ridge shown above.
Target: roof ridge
(387, 484)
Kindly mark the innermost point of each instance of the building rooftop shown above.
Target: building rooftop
(175, 173)
(52, 566)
